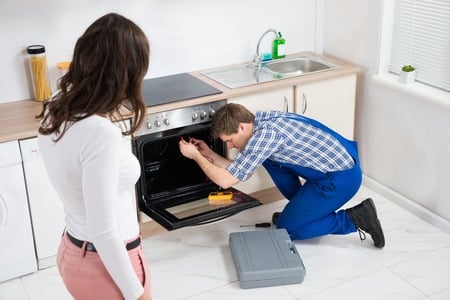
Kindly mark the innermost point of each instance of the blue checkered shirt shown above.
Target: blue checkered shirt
(286, 138)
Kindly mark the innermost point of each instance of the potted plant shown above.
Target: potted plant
(407, 74)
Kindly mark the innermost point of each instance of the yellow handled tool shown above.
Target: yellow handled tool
(220, 197)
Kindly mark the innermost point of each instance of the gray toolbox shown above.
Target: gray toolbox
(266, 258)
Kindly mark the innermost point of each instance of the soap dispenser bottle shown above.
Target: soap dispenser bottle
(279, 47)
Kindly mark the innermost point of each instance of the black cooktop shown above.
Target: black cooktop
(183, 86)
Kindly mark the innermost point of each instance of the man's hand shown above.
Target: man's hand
(210, 162)
(202, 147)
(188, 149)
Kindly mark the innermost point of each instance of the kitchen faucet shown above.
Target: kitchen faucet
(257, 60)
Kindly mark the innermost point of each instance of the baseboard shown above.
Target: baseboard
(411, 206)
(47, 262)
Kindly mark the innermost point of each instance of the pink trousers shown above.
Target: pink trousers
(85, 276)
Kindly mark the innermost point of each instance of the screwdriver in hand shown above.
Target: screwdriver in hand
(264, 225)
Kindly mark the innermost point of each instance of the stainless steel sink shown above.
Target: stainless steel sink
(244, 75)
(239, 76)
(298, 66)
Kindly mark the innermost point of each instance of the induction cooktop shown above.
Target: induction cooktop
(177, 87)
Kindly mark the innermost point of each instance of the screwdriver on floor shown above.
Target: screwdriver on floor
(263, 225)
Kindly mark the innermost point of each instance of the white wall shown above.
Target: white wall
(185, 35)
(402, 130)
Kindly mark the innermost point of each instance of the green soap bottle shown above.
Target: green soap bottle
(279, 47)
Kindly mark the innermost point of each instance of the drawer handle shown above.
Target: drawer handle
(286, 104)
(305, 103)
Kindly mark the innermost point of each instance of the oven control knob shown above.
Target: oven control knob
(211, 113)
(194, 116)
(203, 115)
(166, 122)
(158, 123)
(149, 125)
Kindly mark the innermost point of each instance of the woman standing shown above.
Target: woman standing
(91, 165)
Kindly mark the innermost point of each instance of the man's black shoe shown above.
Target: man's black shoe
(364, 216)
(275, 217)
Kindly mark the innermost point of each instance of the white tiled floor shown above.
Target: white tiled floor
(195, 263)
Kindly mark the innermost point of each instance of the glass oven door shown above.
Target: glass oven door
(195, 208)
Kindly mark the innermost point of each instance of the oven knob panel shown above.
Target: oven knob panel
(179, 118)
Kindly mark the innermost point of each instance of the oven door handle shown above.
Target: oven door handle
(215, 219)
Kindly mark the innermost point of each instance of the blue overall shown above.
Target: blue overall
(311, 211)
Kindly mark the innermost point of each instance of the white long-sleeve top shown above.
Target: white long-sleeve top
(93, 172)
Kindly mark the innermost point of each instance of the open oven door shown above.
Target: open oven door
(173, 190)
(195, 209)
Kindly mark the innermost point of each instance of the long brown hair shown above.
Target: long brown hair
(109, 63)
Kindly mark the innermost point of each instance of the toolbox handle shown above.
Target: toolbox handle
(291, 246)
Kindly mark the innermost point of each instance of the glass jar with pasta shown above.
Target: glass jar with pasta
(39, 72)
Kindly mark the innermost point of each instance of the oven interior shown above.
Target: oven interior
(172, 189)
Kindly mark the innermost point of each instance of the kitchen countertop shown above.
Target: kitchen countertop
(17, 119)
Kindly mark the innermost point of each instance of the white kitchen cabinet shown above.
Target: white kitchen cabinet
(280, 99)
(46, 208)
(330, 101)
(17, 255)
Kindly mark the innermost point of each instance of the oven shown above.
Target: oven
(172, 189)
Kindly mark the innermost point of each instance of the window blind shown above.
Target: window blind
(421, 37)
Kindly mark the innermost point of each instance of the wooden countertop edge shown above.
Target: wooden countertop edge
(17, 119)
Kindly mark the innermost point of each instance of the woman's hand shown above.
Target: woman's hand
(145, 296)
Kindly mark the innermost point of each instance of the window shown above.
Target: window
(421, 37)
